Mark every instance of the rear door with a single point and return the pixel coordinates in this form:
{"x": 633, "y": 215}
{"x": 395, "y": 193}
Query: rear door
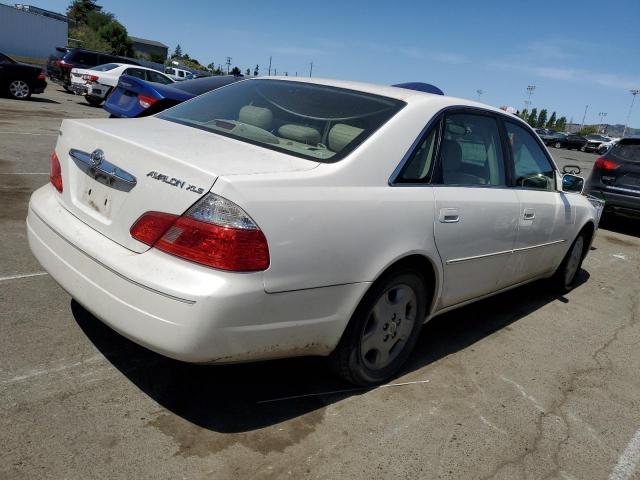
{"x": 546, "y": 216}
{"x": 476, "y": 211}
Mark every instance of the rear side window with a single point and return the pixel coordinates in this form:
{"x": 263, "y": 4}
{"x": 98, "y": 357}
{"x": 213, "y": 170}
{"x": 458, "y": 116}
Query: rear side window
{"x": 471, "y": 151}
{"x": 532, "y": 167}
{"x": 628, "y": 152}
{"x": 419, "y": 164}
{"x": 85, "y": 58}
{"x": 180, "y": 73}
{"x": 158, "y": 77}
{"x": 105, "y": 68}
{"x": 136, "y": 72}
{"x": 307, "y": 120}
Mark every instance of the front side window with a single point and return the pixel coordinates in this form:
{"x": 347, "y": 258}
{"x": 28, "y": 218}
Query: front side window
{"x": 135, "y": 72}
{"x": 471, "y": 151}
{"x": 532, "y": 167}
{"x": 307, "y": 120}
{"x": 180, "y": 73}
{"x": 158, "y": 77}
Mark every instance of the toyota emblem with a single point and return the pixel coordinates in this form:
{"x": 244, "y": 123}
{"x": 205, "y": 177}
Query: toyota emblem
{"x": 96, "y": 157}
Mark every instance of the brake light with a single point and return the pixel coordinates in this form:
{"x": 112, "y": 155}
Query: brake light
{"x": 605, "y": 164}
{"x": 214, "y": 232}
{"x": 63, "y": 64}
{"x": 91, "y": 78}
{"x": 41, "y": 75}
{"x": 55, "y": 173}
{"x": 146, "y": 101}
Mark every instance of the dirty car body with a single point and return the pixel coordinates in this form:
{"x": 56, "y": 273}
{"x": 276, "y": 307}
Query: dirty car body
{"x": 253, "y": 221}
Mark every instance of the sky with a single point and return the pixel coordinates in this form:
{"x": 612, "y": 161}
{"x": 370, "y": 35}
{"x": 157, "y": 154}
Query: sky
{"x": 575, "y": 53}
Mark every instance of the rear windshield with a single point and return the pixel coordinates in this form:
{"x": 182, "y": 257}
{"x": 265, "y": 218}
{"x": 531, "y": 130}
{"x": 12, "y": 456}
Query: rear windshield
{"x": 306, "y": 120}
{"x": 106, "y": 67}
{"x": 627, "y": 151}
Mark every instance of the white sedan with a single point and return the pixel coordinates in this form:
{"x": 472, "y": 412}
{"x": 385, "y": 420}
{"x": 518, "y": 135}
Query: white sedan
{"x": 283, "y": 217}
{"x": 97, "y": 82}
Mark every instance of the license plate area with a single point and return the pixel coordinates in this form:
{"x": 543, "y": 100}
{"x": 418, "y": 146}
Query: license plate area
{"x": 96, "y": 197}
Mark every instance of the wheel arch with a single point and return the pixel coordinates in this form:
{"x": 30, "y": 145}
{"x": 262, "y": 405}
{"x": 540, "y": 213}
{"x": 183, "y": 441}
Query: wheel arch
{"x": 589, "y": 229}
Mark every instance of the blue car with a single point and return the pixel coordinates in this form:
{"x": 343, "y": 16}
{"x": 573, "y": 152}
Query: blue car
{"x": 134, "y": 97}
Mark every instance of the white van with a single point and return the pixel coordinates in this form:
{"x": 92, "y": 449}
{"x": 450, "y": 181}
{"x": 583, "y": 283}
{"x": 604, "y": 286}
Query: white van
{"x": 178, "y": 74}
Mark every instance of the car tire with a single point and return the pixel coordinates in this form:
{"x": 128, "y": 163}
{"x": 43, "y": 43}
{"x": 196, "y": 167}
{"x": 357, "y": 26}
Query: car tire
{"x": 383, "y": 330}
{"x": 19, "y": 89}
{"x": 557, "y": 145}
{"x": 93, "y": 101}
{"x": 564, "y": 278}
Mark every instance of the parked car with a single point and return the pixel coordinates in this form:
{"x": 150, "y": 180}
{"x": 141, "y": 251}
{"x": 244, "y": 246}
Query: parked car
{"x": 19, "y": 80}
{"x": 571, "y": 141}
{"x": 134, "y": 97}
{"x": 606, "y": 145}
{"x": 594, "y": 142}
{"x": 615, "y": 178}
{"x": 278, "y": 217}
{"x": 64, "y": 59}
{"x": 178, "y": 74}
{"x": 551, "y": 137}
{"x": 96, "y": 83}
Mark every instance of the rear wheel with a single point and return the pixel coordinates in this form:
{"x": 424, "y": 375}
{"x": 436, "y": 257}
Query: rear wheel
{"x": 383, "y": 329}
{"x": 19, "y": 89}
{"x": 93, "y": 101}
{"x": 557, "y": 145}
{"x": 565, "y": 277}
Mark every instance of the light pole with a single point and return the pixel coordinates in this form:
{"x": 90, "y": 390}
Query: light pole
{"x": 228, "y": 64}
{"x": 530, "y": 89}
{"x": 633, "y": 92}
{"x": 602, "y": 116}
{"x": 479, "y": 92}
{"x": 584, "y": 117}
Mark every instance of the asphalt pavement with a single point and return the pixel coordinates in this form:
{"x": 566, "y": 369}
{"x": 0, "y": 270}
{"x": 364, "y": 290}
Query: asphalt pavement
{"x": 525, "y": 385}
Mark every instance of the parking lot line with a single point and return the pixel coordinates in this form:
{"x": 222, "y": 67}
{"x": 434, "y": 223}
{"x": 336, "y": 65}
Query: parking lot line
{"x": 628, "y": 461}
{"x": 26, "y": 275}
{"x": 24, "y": 173}
{"x": 29, "y": 133}
{"x": 335, "y": 392}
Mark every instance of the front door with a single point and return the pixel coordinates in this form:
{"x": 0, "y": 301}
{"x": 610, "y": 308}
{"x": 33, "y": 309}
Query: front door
{"x": 477, "y": 213}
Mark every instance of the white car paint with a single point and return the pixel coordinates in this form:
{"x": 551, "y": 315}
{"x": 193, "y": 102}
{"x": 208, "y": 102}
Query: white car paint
{"x": 332, "y": 230}
{"x": 106, "y": 79}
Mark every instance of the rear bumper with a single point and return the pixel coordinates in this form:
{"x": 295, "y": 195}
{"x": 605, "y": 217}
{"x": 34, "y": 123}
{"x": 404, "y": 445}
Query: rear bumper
{"x": 180, "y": 309}
{"x": 618, "y": 201}
{"x": 78, "y": 88}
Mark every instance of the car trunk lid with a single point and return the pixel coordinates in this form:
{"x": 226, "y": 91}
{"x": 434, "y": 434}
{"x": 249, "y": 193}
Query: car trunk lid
{"x": 149, "y": 165}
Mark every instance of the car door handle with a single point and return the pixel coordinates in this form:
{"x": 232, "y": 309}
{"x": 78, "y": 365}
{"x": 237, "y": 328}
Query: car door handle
{"x": 449, "y": 215}
{"x": 529, "y": 214}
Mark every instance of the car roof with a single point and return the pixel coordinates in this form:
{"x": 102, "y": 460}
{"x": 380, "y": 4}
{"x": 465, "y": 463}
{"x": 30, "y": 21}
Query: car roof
{"x": 398, "y": 93}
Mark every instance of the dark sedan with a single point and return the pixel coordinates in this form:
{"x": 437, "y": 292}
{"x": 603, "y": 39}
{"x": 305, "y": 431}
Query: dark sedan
{"x": 20, "y": 80}
{"x": 551, "y": 137}
{"x": 134, "y": 97}
{"x": 571, "y": 141}
{"x": 615, "y": 178}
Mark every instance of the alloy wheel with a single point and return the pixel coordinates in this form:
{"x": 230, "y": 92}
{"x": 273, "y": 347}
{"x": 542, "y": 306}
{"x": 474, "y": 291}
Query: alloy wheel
{"x": 388, "y": 326}
{"x": 19, "y": 89}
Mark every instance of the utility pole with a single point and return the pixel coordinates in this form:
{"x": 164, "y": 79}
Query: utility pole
{"x": 633, "y": 92}
{"x": 584, "y": 117}
{"x": 310, "y": 69}
{"x": 530, "y": 89}
{"x": 228, "y": 64}
{"x": 479, "y": 92}
{"x": 602, "y": 116}
{"x": 269, "y": 65}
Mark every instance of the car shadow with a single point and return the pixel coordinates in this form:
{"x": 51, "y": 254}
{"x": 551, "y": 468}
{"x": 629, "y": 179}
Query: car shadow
{"x": 247, "y": 397}
{"x": 42, "y": 100}
{"x": 620, "y": 224}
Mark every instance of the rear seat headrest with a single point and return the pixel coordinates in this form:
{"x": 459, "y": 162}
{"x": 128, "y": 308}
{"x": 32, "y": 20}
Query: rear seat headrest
{"x": 256, "y": 116}
{"x": 300, "y": 133}
{"x": 341, "y": 135}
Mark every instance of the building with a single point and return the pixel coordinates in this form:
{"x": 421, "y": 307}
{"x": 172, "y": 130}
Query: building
{"x": 28, "y": 33}
{"x": 150, "y": 49}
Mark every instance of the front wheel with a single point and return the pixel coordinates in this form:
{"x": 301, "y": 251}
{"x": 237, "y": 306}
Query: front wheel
{"x": 383, "y": 330}
{"x": 19, "y": 89}
{"x": 557, "y": 145}
{"x": 93, "y": 101}
{"x": 564, "y": 278}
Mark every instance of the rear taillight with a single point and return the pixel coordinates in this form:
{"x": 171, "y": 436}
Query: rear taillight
{"x": 146, "y": 101}
{"x": 41, "y": 75}
{"x": 63, "y": 64}
{"x": 214, "y": 232}
{"x": 55, "y": 173}
{"x": 605, "y": 164}
{"x": 91, "y": 78}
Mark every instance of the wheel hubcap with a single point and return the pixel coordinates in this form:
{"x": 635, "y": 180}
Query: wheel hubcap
{"x": 574, "y": 261}
{"x": 19, "y": 89}
{"x": 388, "y": 326}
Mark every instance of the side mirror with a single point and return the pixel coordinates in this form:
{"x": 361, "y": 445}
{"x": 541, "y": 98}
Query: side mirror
{"x": 572, "y": 169}
{"x": 572, "y": 183}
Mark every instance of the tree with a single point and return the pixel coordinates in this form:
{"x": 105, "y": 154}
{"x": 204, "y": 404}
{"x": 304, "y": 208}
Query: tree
{"x": 236, "y": 71}
{"x": 157, "y": 57}
{"x": 79, "y": 9}
{"x": 256, "y": 71}
{"x": 552, "y": 121}
{"x": 211, "y": 67}
{"x": 524, "y": 114}
{"x": 178, "y": 51}
{"x": 533, "y": 117}
{"x": 588, "y": 130}
{"x": 116, "y": 36}
{"x": 561, "y": 124}
{"x": 542, "y": 118}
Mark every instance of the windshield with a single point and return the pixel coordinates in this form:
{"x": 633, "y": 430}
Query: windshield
{"x": 306, "y": 120}
{"x": 106, "y": 67}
